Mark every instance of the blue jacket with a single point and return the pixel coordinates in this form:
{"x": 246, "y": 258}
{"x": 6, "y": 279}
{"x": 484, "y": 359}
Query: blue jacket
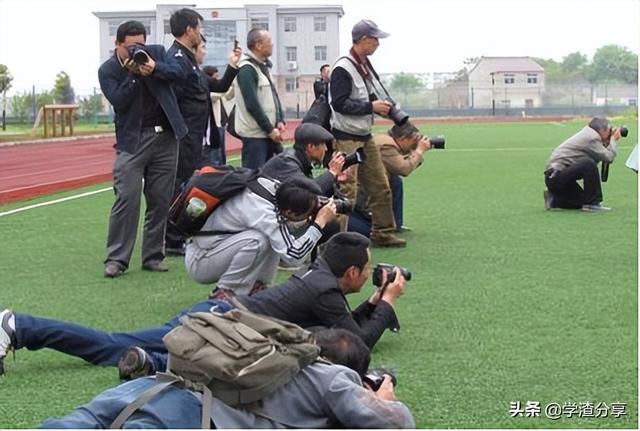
{"x": 122, "y": 89}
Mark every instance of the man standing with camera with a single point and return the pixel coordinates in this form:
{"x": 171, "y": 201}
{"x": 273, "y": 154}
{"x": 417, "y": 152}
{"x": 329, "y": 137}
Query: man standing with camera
{"x": 353, "y": 99}
{"x": 148, "y": 127}
{"x": 577, "y": 158}
{"x": 193, "y": 98}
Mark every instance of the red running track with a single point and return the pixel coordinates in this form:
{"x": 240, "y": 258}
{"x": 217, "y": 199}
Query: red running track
{"x": 30, "y": 170}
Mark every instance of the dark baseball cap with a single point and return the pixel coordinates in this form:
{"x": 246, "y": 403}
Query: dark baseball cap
{"x": 366, "y": 27}
{"x": 309, "y": 133}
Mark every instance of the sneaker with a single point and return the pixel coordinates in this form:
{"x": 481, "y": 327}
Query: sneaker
{"x": 7, "y": 335}
{"x": 134, "y": 363}
{"x": 113, "y": 269}
{"x": 548, "y": 200}
{"x": 221, "y": 294}
{"x": 595, "y": 208}
{"x": 384, "y": 239}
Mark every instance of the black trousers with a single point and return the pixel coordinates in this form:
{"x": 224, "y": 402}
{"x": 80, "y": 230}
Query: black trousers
{"x": 567, "y": 193}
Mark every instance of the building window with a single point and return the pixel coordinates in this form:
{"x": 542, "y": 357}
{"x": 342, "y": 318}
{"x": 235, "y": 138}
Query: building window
{"x": 292, "y": 53}
{"x": 528, "y": 103}
{"x": 509, "y": 78}
{"x": 113, "y": 26}
{"x": 220, "y": 35}
{"x": 505, "y": 103}
{"x": 321, "y": 53}
{"x": 291, "y": 84}
{"x": 260, "y": 21}
{"x": 290, "y": 24}
{"x": 532, "y": 78}
{"x": 320, "y": 23}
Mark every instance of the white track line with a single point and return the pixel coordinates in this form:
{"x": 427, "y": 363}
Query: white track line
{"x": 69, "y": 198}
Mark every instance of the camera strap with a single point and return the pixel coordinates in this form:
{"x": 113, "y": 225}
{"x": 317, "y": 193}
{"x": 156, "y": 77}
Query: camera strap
{"x": 367, "y": 77}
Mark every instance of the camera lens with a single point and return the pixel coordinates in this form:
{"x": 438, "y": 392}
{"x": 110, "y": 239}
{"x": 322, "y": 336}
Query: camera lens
{"x": 624, "y": 131}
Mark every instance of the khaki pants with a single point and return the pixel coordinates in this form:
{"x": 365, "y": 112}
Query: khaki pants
{"x": 373, "y": 178}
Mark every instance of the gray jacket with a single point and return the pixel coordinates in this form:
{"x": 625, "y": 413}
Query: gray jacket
{"x": 585, "y": 143}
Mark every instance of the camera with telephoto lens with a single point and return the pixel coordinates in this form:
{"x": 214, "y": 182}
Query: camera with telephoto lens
{"x": 375, "y": 377}
{"x": 343, "y": 205}
{"x": 138, "y": 53}
{"x": 624, "y": 132}
{"x": 397, "y": 115}
{"x": 381, "y": 268}
{"x": 354, "y": 158}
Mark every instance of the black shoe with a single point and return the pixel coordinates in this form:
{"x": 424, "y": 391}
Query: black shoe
{"x": 134, "y": 363}
{"x": 155, "y": 266}
{"x": 113, "y": 269}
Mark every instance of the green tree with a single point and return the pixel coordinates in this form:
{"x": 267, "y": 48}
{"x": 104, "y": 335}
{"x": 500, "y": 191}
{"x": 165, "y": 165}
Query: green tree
{"x": 5, "y": 84}
{"x": 552, "y": 69}
{"x": 90, "y": 106}
{"x": 406, "y": 83}
{"x": 44, "y": 98}
{"x": 574, "y": 62}
{"x": 614, "y": 63}
{"x": 62, "y": 90}
{"x": 20, "y": 106}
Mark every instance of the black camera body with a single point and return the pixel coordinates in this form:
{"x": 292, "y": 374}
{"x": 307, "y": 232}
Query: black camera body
{"x": 437, "y": 142}
{"x": 624, "y": 132}
{"x": 354, "y": 158}
{"x": 381, "y": 268}
{"x": 375, "y": 377}
{"x": 343, "y": 205}
{"x": 138, "y": 53}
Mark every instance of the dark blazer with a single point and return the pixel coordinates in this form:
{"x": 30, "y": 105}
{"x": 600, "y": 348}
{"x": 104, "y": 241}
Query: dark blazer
{"x": 315, "y": 299}
{"x": 321, "y": 87}
{"x": 192, "y": 91}
{"x": 123, "y": 90}
{"x": 293, "y": 162}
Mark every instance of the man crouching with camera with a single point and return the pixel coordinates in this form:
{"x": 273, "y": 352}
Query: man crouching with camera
{"x": 577, "y": 158}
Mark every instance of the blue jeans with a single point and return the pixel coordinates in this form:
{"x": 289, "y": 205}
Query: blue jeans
{"x": 175, "y": 407}
{"x": 397, "y": 192}
{"x": 218, "y": 156}
{"x": 99, "y": 347}
{"x": 255, "y": 152}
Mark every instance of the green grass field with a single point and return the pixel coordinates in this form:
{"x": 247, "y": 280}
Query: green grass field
{"x": 508, "y": 302}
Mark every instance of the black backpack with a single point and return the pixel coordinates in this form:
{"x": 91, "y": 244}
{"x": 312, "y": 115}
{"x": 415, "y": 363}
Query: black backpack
{"x": 319, "y": 113}
{"x": 206, "y": 190}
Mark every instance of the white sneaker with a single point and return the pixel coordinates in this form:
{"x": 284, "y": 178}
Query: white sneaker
{"x": 595, "y": 208}
{"x": 7, "y": 335}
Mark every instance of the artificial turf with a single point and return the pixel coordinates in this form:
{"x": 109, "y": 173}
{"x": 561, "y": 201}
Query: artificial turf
{"x": 508, "y": 302}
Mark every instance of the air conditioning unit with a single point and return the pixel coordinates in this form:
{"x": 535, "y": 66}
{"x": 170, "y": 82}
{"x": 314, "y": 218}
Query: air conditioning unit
{"x": 292, "y": 65}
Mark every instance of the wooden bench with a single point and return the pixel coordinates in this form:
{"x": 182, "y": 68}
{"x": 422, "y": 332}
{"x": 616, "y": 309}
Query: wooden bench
{"x": 64, "y": 112}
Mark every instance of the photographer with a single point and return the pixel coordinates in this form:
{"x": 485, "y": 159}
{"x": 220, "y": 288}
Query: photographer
{"x": 401, "y": 150}
{"x": 322, "y": 395}
{"x": 192, "y": 92}
{"x": 313, "y": 300}
{"x": 243, "y": 240}
{"x": 354, "y": 100}
{"x": 577, "y": 158}
{"x": 138, "y": 82}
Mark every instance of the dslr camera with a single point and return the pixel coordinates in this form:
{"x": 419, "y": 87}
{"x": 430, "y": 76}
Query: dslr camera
{"x": 380, "y": 269}
{"x": 437, "y": 142}
{"x": 343, "y": 205}
{"x": 375, "y": 377}
{"x": 624, "y": 132}
{"x": 397, "y": 115}
{"x": 138, "y": 53}
{"x": 604, "y": 170}
{"x": 354, "y": 158}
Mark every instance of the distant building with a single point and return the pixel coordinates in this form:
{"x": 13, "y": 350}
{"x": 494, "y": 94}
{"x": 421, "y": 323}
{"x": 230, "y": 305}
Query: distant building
{"x": 304, "y": 37}
{"x": 517, "y": 82}
{"x": 430, "y": 80}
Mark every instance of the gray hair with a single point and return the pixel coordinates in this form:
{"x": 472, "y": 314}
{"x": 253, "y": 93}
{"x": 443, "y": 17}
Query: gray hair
{"x": 599, "y": 123}
{"x": 255, "y": 35}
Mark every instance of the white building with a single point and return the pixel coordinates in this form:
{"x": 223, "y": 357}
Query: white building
{"x": 304, "y": 38}
{"x": 506, "y": 82}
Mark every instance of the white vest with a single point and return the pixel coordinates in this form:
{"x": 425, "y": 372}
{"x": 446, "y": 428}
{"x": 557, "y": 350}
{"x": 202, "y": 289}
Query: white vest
{"x": 352, "y": 124}
{"x": 245, "y": 125}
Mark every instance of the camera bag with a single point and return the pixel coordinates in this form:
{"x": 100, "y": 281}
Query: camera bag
{"x": 238, "y": 357}
{"x": 209, "y": 187}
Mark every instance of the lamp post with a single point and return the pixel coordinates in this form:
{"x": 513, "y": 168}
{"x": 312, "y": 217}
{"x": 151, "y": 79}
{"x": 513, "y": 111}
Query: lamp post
{"x": 493, "y": 94}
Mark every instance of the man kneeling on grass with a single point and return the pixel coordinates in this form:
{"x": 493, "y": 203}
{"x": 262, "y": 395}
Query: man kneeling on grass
{"x": 314, "y": 299}
{"x": 321, "y": 395}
